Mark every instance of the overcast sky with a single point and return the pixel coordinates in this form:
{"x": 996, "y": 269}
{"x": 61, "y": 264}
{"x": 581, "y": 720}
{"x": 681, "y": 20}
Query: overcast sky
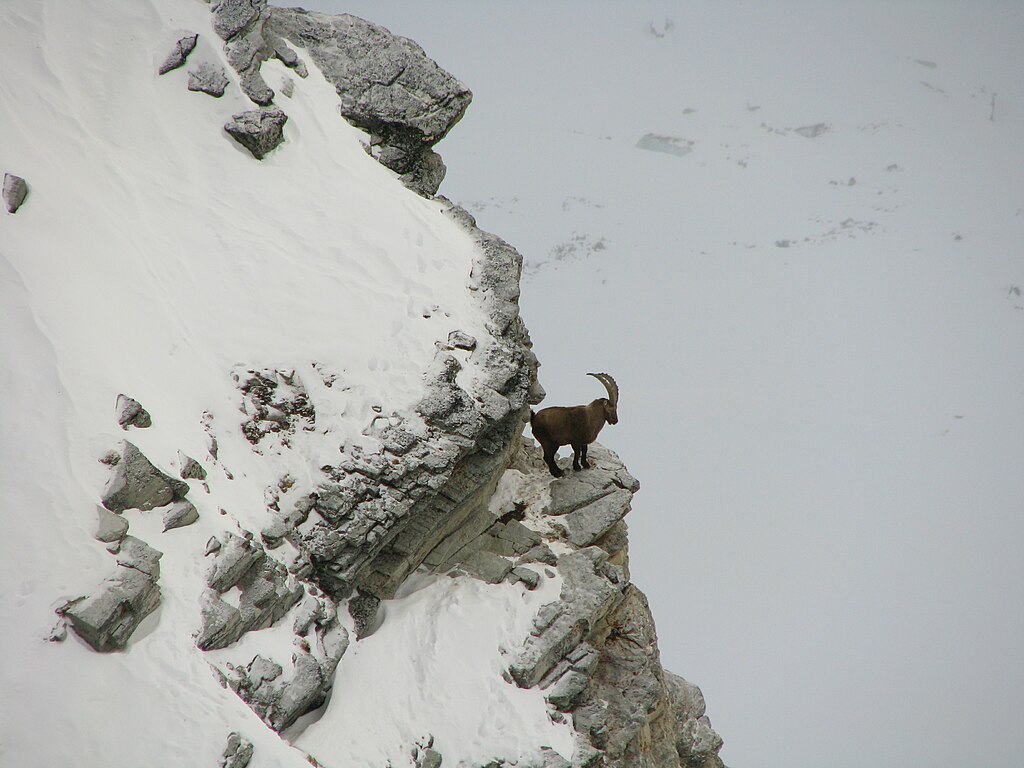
{"x": 793, "y": 233}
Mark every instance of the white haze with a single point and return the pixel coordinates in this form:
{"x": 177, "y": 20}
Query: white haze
{"x": 819, "y": 339}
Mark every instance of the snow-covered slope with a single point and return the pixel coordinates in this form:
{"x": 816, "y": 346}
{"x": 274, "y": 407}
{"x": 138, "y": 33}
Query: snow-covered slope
{"x": 332, "y": 361}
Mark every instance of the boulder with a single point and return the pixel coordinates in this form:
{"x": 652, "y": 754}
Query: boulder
{"x": 259, "y": 130}
{"x": 587, "y": 524}
{"x": 137, "y": 554}
{"x": 179, "y": 54}
{"x": 137, "y": 484}
{"x": 107, "y": 618}
{"x": 15, "y": 191}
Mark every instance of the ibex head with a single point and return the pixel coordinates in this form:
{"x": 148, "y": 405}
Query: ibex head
{"x": 611, "y": 405}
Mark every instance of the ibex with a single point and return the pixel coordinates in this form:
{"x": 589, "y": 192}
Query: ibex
{"x": 577, "y": 426}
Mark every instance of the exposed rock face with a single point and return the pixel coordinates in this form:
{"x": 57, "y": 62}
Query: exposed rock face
{"x": 258, "y": 130}
{"x": 594, "y": 652}
{"x": 15, "y": 191}
{"x": 137, "y": 484}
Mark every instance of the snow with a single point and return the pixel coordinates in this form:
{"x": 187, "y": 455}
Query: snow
{"x": 156, "y": 258}
{"x": 436, "y": 661}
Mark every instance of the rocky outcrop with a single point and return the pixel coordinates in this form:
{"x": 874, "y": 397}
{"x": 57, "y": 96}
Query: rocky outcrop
{"x": 594, "y": 651}
{"x": 15, "y": 191}
{"x": 265, "y": 592}
{"x": 280, "y": 697}
{"x": 137, "y": 484}
{"x": 258, "y": 130}
{"x": 388, "y": 86}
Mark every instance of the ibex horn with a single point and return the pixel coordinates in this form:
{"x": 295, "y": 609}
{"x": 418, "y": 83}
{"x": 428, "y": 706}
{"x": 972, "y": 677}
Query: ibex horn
{"x": 609, "y": 384}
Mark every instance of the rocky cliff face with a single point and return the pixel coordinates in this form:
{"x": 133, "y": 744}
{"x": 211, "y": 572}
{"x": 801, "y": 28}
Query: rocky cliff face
{"x": 448, "y": 486}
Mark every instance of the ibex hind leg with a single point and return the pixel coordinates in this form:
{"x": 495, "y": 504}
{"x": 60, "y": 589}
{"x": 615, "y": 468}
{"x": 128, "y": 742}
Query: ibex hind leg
{"x": 577, "y": 452}
{"x": 549, "y": 459}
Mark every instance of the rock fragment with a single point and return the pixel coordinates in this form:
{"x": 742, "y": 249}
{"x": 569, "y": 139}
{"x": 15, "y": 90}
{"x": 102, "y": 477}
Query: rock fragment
{"x": 190, "y": 468}
{"x": 180, "y": 514}
{"x": 15, "y": 191}
{"x": 130, "y": 413}
{"x": 179, "y": 54}
{"x": 208, "y": 78}
{"x": 109, "y": 527}
{"x": 107, "y": 619}
{"x": 137, "y": 484}
{"x": 258, "y": 130}
{"x": 237, "y": 753}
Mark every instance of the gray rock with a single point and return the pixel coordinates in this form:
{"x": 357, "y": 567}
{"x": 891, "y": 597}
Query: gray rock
{"x": 137, "y": 554}
{"x": 107, "y": 618}
{"x": 109, "y": 527}
{"x": 232, "y": 17}
{"x": 539, "y": 554}
{"x": 130, "y": 413}
{"x": 528, "y": 576}
{"x": 429, "y": 758}
{"x": 234, "y": 559}
{"x": 521, "y": 537}
{"x": 363, "y": 610}
{"x": 590, "y": 590}
{"x": 180, "y": 514}
{"x": 461, "y": 340}
{"x": 179, "y": 54}
{"x": 697, "y": 743}
{"x": 487, "y": 566}
{"x": 237, "y": 753}
{"x": 267, "y": 592}
{"x": 15, "y": 191}
{"x": 259, "y": 130}
{"x": 587, "y": 524}
{"x": 137, "y": 484}
{"x": 208, "y": 78}
{"x": 190, "y": 468}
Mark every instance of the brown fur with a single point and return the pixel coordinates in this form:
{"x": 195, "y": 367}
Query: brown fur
{"x": 577, "y": 425}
